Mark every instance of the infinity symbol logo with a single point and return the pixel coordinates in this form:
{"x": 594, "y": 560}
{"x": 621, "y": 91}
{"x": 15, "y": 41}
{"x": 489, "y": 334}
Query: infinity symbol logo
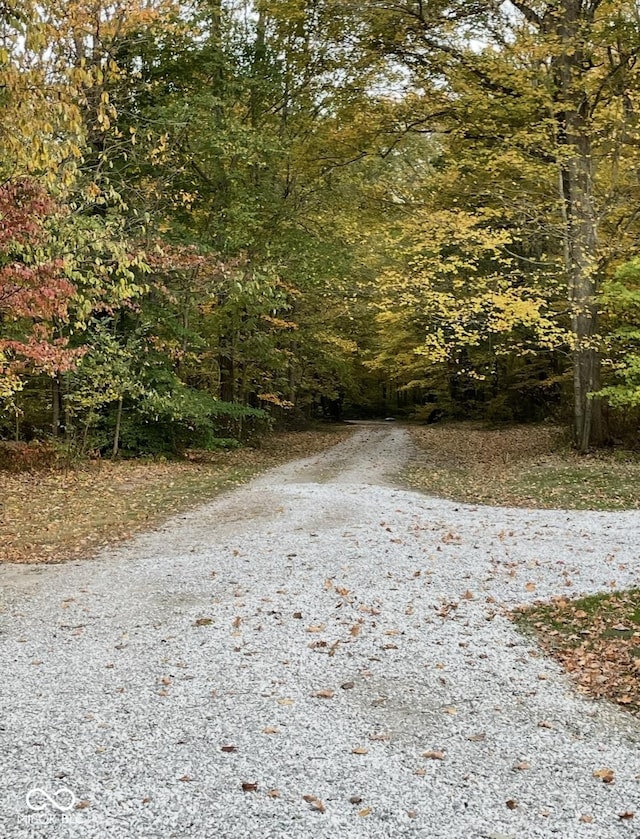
{"x": 39, "y": 799}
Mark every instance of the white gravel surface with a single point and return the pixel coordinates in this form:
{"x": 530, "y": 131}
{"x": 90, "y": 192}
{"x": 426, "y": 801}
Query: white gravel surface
{"x": 124, "y": 677}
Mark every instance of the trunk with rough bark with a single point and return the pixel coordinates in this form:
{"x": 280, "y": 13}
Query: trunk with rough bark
{"x": 575, "y": 156}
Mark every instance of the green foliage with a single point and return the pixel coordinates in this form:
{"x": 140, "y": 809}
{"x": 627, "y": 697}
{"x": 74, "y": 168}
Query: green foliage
{"x": 278, "y": 208}
{"x": 621, "y": 305}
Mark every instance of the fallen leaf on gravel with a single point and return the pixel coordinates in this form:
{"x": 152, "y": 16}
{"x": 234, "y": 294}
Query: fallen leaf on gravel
{"x": 530, "y": 586}
{"x": 328, "y": 584}
{"x": 237, "y": 621}
{"x": 285, "y": 701}
{"x": 327, "y": 693}
{"x": 434, "y": 755}
{"x": 451, "y": 710}
{"x": 360, "y": 750}
{"x": 446, "y": 609}
{"x": 366, "y": 811}
{"x": 628, "y": 814}
{"x": 229, "y": 749}
{"x": 270, "y": 730}
{"x": 355, "y": 629}
{"x": 606, "y": 775}
{"x": 511, "y": 804}
{"x": 379, "y": 737}
{"x": 82, "y": 805}
{"x": 523, "y": 765}
{"x": 544, "y": 724}
{"x": 186, "y": 778}
{"x": 320, "y": 627}
{"x": 274, "y": 793}
{"x": 315, "y": 803}
{"x": 249, "y": 787}
{"x": 477, "y": 738}
{"x": 412, "y": 814}
{"x": 343, "y": 592}
{"x": 586, "y": 818}
{"x": 420, "y": 772}
{"x": 203, "y": 622}
{"x": 468, "y": 595}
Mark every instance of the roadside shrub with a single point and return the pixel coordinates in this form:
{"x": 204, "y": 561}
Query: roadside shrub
{"x": 28, "y": 457}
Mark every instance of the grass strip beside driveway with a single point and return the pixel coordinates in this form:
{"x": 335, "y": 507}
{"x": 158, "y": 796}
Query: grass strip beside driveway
{"x": 57, "y": 515}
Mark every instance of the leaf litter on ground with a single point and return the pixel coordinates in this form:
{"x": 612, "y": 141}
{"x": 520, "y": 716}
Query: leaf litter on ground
{"x": 61, "y": 514}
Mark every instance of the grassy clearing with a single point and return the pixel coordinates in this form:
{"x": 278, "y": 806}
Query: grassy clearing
{"x": 522, "y": 466}
{"x": 597, "y": 638}
{"x": 58, "y": 515}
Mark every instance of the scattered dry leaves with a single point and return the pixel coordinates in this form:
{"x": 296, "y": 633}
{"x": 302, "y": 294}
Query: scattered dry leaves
{"x": 596, "y": 639}
{"x": 59, "y": 514}
{"x": 520, "y": 466}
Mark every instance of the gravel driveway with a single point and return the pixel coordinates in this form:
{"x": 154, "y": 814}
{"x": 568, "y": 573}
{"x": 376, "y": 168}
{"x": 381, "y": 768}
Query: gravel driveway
{"x": 332, "y": 644}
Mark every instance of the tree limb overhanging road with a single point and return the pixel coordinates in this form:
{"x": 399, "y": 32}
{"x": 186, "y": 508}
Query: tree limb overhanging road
{"x": 318, "y": 654}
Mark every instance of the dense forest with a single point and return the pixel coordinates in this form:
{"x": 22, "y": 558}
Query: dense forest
{"x": 219, "y": 215}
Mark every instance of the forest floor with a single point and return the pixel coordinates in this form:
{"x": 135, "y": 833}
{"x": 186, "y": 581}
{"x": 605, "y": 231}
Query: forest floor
{"x": 521, "y": 466}
{"x": 62, "y": 514}
{"x": 595, "y": 638}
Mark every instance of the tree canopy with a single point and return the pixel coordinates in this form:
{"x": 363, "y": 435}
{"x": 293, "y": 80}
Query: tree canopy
{"x": 218, "y": 215}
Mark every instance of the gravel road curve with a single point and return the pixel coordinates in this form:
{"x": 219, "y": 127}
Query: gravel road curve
{"x": 333, "y": 643}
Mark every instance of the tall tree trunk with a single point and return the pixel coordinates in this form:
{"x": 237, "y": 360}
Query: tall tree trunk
{"x": 579, "y": 217}
{"x": 56, "y": 402}
{"x": 116, "y": 433}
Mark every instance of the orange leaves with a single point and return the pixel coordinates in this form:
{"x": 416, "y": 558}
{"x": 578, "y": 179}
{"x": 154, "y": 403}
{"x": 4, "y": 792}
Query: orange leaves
{"x": 596, "y": 639}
